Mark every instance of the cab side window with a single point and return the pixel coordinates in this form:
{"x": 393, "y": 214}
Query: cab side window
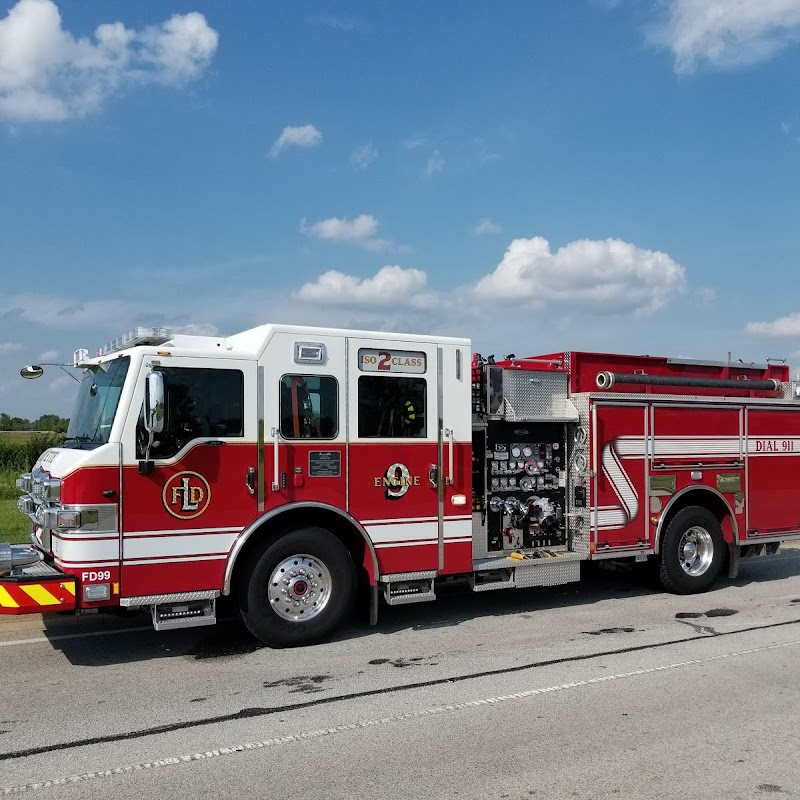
{"x": 309, "y": 407}
{"x": 200, "y": 403}
{"x": 391, "y": 407}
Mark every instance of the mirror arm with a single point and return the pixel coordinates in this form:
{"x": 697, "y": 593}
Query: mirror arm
{"x": 147, "y": 466}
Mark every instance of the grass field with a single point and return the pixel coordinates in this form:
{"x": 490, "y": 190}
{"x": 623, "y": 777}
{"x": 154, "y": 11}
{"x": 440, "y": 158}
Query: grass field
{"x": 18, "y": 437}
{"x": 13, "y": 525}
{"x": 19, "y": 450}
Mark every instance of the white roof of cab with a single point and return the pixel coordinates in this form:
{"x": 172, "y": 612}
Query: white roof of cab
{"x": 251, "y": 343}
{"x": 255, "y": 340}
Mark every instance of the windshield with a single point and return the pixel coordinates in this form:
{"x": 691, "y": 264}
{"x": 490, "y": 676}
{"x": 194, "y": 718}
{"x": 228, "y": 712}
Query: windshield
{"x": 96, "y": 404}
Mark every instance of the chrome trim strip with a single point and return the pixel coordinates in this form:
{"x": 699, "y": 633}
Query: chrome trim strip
{"x": 119, "y": 502}
{"x": 425, "y": 574}
{"x": 626, "y": 553}
{"x": 746, "y": 412}
{"x": 276, "y": 484}
{"x": 440, "y": 450}
{"x": 646, "y": 485}
{"x": 786, "y": 536}
{"x": 260, "y": 481}
{"x": 346, "y": 423}
{"x": 593, "y": 469}
{"x": 270, "y": 515}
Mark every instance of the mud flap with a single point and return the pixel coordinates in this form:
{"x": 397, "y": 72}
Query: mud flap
{"x": 734, "y": 556}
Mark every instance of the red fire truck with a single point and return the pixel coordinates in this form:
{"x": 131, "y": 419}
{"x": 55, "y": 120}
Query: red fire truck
{"x": 298, "y": 468}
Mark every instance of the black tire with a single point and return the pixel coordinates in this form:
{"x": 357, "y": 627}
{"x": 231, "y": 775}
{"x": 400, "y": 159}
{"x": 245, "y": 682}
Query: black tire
{"x": 273, "y": 607}
{"x": 692, "y": 551}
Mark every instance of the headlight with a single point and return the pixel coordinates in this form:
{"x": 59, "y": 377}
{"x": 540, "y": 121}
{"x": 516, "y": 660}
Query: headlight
{"x": 45, "y": 489}
{"x": 25, "y": 482}
{"x": 52, "y": 490}
{"x": 25, "y": 505}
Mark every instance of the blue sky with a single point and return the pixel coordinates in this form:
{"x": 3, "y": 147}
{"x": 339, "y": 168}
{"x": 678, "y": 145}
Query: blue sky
{"x": 593, "y": 174}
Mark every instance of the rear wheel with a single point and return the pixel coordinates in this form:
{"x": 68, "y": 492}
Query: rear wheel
{"x": 299, "y": 589}
{"x": 692, "y": 552}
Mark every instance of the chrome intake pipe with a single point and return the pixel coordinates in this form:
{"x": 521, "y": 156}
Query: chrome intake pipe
{"x": 17, "y": 555}
{"x": 607, "y": 380}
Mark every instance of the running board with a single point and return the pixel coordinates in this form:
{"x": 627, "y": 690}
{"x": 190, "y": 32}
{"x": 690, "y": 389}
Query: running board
{"x": 190, "y": 614}
{"x": 179, "y": 610}
{"x": 408, "y": 587}
{"x": 509, "y": 573}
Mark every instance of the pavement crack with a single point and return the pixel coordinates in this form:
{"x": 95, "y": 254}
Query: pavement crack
{"x": 705, "y": 629}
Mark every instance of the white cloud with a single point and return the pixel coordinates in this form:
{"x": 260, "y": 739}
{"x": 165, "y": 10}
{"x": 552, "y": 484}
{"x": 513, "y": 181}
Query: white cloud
{"x": 486, "y": 226}
{"x": 359, "y": 231}
{"x": 305, "y": 136}
{"x": 600, "y": 277}
{"x": 390, "y": 287}
{"x": 435, "y": 163}
{"x": 48, "y": 75}
{"x": 414, "y": 143}
{"x": 782, "y": 326}
{"x": 364, "y": 156}
{"x": 586, "y": 277}
{"x": 48, "y": 355}
{"x": 725, "y": 33}
{"x": 10, "y": 347}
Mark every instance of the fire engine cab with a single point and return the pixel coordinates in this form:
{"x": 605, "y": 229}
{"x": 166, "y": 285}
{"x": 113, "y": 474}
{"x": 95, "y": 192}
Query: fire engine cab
{"x": 299, "y": 468}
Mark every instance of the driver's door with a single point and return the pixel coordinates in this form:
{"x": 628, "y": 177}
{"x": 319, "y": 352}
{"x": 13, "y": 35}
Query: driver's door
{"x": 179, "y": 521}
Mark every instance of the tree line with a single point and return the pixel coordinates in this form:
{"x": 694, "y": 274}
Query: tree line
{"x": 47, "y": 422}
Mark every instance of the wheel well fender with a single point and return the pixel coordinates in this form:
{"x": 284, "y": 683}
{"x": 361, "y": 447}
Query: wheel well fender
{"x": 294, "y": 516}
{"x": 705, "y": 497}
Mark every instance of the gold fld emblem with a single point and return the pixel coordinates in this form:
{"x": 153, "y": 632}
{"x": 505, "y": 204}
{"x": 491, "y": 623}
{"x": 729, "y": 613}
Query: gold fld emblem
{"x": 186, "y": 495}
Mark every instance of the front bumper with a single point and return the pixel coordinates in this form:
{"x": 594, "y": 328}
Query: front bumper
{"x": 36, "y": 589}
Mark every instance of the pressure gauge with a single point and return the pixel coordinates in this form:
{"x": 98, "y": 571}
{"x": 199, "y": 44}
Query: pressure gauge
{"x": 515, "y": 452}
{"x": 527, "y": 452}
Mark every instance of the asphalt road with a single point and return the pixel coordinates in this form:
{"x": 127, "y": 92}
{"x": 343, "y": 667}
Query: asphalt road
{"x": 607, "y": 688}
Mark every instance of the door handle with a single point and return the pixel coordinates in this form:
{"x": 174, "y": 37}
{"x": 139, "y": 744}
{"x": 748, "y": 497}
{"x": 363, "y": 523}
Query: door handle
{"x": 275, "y": 464}
{"x": 433, "y": 475}
{"x": 448, "y": 432}
{"x": 250, "y": 480}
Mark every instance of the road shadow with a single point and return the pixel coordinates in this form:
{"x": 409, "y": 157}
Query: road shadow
{"x": 101, "y": 640}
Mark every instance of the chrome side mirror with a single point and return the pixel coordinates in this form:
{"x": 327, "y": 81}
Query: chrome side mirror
{"x": 153, "y": 416}
{"x": 31, "y": 371}
{"x": 154, "y": 403}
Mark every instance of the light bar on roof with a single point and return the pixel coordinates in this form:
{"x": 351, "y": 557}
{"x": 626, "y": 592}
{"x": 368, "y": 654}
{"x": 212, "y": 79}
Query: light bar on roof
{"x": 135, "y": 338}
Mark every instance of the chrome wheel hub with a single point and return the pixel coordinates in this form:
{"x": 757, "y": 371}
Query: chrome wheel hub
{"x": 696, "y": 551}
{"x": 299, "y": 588}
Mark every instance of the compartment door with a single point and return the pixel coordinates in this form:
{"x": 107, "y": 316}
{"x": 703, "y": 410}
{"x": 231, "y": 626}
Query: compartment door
{"x": 619, "y": 465}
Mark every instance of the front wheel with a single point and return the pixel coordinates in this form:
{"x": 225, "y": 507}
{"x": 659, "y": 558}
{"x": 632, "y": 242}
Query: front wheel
{"x": 692, "y": 552}
{"x": 299, "y": 589}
